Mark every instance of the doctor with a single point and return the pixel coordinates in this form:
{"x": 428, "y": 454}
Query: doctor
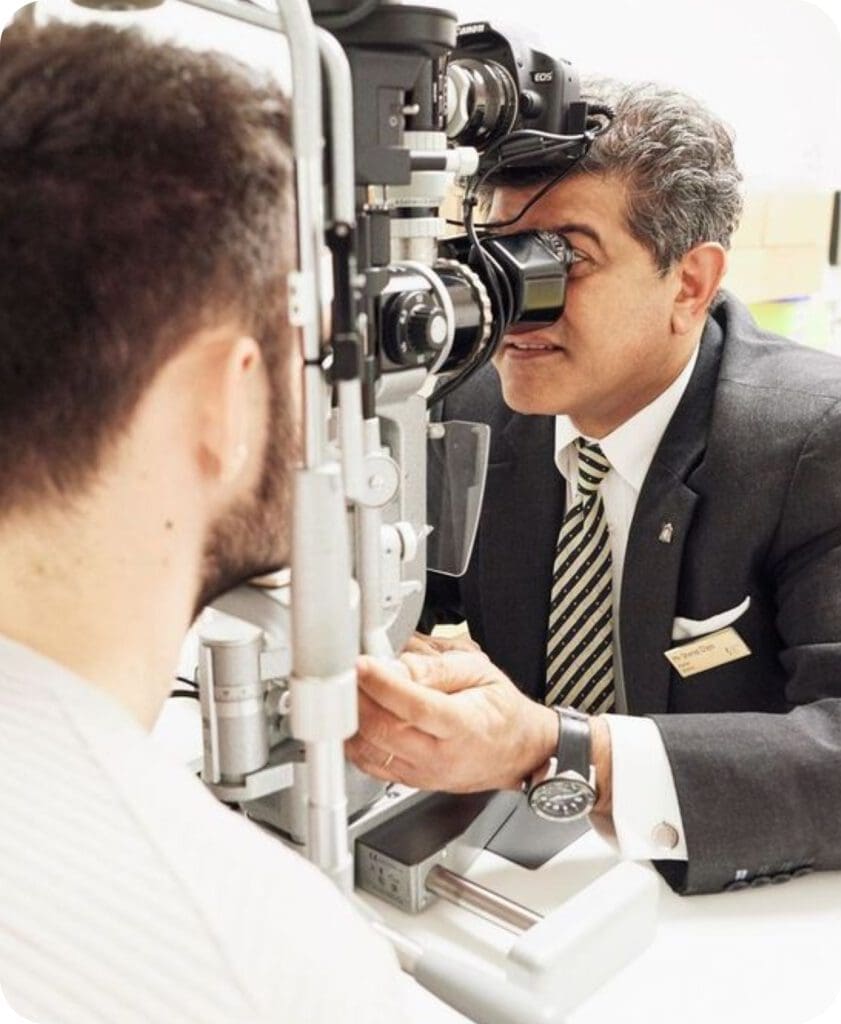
{"x": 656, "y": 582}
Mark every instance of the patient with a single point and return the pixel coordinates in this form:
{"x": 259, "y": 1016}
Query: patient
{"x": 146, "y": 439}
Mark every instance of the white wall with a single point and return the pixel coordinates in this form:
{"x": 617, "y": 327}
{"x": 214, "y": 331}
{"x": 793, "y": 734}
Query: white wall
{"x": 771, "y": 68}
{"x": 181, "y": 23}
{"x": 7, "y": 9}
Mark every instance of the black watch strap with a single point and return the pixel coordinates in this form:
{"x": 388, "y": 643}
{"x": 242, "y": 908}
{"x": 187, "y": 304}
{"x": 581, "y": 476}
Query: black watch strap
{"x": 574, "y": 747}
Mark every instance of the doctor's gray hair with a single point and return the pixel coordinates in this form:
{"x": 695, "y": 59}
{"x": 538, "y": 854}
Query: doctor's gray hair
{"x": 678, "y": 164}
{"x": 676, "y": 160}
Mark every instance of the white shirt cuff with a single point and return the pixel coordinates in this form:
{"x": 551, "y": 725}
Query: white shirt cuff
{"x": 646, "y": 813}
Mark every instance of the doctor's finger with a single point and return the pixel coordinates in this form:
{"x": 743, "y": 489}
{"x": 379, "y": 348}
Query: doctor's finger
{"x": 458, "y": 642}
{"x": 453, "y": 671}
{"x": 423, "y": 706}
{"x": 380, "y": 764}
{"x": 420, "y": 643}
{"x": 385, "y": 730}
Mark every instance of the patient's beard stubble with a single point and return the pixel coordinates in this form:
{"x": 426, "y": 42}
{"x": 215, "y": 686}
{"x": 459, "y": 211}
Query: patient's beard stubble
{"x": 252, "y": 538}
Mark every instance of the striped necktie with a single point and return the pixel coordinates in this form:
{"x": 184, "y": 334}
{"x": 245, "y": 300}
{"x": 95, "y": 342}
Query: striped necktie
{"x": 579, "y": 651}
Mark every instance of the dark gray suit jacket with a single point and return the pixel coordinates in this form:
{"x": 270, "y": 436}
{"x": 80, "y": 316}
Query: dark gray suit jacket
{"x": 749, "y": 475}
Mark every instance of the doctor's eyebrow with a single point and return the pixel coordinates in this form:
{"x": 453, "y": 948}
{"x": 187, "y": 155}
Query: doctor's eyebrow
{"x": 581, "y": 229}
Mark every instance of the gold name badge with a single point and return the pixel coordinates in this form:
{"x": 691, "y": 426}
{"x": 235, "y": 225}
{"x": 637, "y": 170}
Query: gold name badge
{"x": 707, "y": 652}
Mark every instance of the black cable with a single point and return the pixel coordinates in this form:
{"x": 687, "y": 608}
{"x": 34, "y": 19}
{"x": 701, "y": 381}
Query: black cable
{"x": 339, "y": 22}
{"x": 601, "y": 110}
{"x": 493, "y": 274}
{"x": 499, "y": 316}
{"x": 548, "y": 139}
{"x": 527, "y": 206}
{"x": 531, "y": 202}
{"x": 545, "y": 145}
{"x": 193, "y": 692}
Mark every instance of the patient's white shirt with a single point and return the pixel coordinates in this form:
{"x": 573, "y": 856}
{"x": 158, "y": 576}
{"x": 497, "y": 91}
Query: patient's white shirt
{"x": 128, "y": 894}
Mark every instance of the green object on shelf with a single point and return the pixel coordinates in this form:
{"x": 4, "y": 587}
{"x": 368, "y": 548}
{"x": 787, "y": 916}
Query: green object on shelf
{"x": 808, "y": 321}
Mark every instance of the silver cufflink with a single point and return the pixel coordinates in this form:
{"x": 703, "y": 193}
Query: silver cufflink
{"x": 665, "y": 835}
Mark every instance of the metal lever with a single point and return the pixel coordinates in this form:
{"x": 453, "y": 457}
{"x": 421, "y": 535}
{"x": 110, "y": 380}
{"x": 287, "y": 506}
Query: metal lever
{"x": 483, "y": 902}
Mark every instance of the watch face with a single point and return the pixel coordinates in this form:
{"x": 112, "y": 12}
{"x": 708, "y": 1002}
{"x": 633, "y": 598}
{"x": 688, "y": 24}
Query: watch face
{"x": 562, "y": 799}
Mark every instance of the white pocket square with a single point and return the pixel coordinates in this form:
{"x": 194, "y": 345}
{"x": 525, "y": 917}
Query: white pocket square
{"x": 688, "y": 629}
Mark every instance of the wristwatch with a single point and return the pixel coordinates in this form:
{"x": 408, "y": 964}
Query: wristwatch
{"x": 568, "y": 792}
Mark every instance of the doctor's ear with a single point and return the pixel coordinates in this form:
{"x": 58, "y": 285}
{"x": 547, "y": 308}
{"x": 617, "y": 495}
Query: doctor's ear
{"x": 699, "y": 276}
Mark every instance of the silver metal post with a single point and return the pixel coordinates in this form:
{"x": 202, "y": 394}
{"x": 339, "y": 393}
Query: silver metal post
{"x": 481, "y": 901}
{"x": 327, "y": 843}
{"x": 323, "y": 683}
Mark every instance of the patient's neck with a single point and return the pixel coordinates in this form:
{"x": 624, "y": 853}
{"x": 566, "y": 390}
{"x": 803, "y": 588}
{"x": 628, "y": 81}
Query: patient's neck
{"x": 114, "y": 613}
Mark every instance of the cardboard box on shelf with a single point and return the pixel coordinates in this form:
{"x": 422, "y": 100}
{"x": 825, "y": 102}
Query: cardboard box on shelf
{"x": 784, "y": 217}
{"x": 781, "y": 248}
{"x": 778, "y": 272}
{"x": 808, "y": 321}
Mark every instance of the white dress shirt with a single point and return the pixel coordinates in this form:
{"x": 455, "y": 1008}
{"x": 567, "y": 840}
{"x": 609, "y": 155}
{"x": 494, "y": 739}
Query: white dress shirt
{"x": 128, "y": 893}
{"x": 646, "y": 812}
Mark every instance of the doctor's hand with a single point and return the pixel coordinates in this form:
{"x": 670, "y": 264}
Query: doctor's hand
{"x": 425, "y": 643}
{"x": 448, "y": 721}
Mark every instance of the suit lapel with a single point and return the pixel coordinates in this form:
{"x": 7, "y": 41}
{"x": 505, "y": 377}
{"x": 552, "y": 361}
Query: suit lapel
{"x": 524, "y": 506}
{"x": 658, "y": 533}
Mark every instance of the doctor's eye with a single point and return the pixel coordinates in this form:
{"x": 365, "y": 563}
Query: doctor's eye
{"x": 577, "y": 261}
{"x": 581, "y": 263}
{"x": 560, "y": 245}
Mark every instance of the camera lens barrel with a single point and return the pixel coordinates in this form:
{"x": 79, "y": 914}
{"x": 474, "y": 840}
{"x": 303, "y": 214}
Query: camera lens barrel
{"x": 482, "y": 102}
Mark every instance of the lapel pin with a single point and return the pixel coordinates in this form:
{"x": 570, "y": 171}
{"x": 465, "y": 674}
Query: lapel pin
{"x": 666, "y": 533}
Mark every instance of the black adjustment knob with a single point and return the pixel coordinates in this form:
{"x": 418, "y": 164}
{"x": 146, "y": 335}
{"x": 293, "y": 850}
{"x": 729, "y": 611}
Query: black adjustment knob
{"x": 531, "y": 104}
{"x": 426, "y": 328}
{"x": 415, "y": 329}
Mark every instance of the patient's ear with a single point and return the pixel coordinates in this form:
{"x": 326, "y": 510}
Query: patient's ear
{"x": 699, "y": 276}
{"x": 231, "y": 410}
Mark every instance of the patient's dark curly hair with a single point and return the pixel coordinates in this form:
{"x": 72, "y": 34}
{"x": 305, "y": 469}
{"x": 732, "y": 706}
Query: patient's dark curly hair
{"x": 144, "y": 194}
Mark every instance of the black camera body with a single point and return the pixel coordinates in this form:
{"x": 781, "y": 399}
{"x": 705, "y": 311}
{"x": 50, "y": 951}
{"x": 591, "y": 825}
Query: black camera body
{"x": 498, "y": 85}
{"x": 436, "y": 102}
